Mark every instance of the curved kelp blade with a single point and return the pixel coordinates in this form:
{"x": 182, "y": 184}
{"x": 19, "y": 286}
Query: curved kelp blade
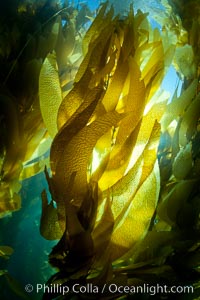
{"x": 49, "y": 225}
{"x": 77, "y": 153}
{"x": 50, "y": 93}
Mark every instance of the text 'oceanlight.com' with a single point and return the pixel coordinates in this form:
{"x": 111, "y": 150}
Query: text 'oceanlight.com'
{"x": 109, "y": 288}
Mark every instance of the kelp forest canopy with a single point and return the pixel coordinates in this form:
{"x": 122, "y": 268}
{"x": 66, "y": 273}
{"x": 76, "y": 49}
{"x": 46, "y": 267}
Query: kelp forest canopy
{"x": 124, "y": 162}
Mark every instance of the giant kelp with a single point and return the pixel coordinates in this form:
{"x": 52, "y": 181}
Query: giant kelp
{"x": 179, "y": 205}
{"x": 102, "y": 217}
{"x": 132, "y": 217}
{"x": 174, "y": 237}
{"x": 29, "y": 31}
{"x": 22, "y": 128}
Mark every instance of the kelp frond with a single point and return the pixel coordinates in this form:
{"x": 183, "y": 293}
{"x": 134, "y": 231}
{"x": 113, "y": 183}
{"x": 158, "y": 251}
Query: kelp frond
{"x": 114, "y": 111}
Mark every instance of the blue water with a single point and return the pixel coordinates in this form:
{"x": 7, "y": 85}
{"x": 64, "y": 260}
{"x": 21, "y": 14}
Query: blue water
{"x": 29, "y": 262}
{"x": 93, "y": 4}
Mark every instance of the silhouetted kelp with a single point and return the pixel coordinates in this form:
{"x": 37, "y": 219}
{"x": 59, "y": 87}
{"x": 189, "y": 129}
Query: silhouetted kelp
{"x": 29, "y": 32}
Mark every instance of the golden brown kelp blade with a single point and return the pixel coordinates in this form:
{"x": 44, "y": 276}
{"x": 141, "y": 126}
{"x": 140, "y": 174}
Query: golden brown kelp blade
{"x": 112, "y": 110}
{"x": 50, "y": 93}
{"x": 49, "y": 225}
{"x": 72, "y": 127}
